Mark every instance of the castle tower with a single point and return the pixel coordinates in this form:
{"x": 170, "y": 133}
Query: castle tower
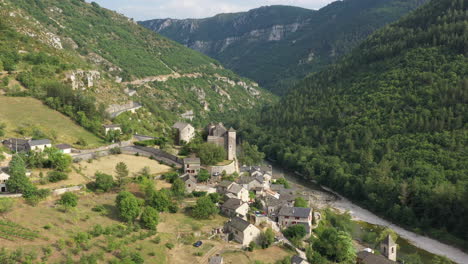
{"x": 231, "y": 144}
{"x": 388, "y": 248}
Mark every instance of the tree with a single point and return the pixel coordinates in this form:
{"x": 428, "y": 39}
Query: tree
{"x": 203, "y": 175}
{"x": 204, "y": 208}
{"x": 58, "y": 160}
{"x": 178, "y": 188}
{"x": 250, "y": 155}
{"x": 215, "y": 197}
{"x": 104, "y": 182}
{"x": 284, "y": 182}
{"x": 211, "y": 154}
{"x": 300, "y": 202}
{"x": 56, "y": 176}
{"x": 295, "y": 231}
{"x": 337, "y": 246}
{"x": 68, "y": 200}
{"x": 149, "y": 218}
{"x": 122, "y": 172}
{"x": 128, "y": 206}
{"x": 158, "y": 200}
{"x": 18, "y": 182}
{"x": 267, "y": 238}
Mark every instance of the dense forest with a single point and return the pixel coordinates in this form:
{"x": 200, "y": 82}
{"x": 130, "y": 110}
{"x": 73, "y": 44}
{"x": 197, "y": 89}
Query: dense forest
{"x": 280, "y": 45}
{"x": 386, "y": 126}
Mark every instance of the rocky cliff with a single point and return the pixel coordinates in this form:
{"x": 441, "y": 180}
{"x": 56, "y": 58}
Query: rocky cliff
{"x": 278, "y": 45}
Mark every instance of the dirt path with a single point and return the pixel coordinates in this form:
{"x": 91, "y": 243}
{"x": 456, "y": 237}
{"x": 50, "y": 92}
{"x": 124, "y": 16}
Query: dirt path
{"x": 323, "y": 199}
{"x": 164, "y": 78}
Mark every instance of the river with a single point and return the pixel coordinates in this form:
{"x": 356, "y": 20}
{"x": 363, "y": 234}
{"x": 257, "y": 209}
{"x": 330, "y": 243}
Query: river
{"x": 323, "y": 197}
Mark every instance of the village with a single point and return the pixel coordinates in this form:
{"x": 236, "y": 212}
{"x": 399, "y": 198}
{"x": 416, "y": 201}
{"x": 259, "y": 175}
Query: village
{"x": 254, "y": 202}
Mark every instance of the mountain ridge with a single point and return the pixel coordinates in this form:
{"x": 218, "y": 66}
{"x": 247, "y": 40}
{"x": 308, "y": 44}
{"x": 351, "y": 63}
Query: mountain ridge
{"x": 279, "y": 45}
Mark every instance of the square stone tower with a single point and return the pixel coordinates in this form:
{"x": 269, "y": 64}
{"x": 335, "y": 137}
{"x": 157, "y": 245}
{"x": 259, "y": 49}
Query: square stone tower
{"x": 231, "y": 144}
{"x": 388, "y": 248}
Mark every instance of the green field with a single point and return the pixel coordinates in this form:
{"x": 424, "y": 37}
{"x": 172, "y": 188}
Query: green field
{"x": 28, "y": 113}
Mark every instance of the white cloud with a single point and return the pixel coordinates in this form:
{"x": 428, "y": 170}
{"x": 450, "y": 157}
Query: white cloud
{"x": 149, "y": 9}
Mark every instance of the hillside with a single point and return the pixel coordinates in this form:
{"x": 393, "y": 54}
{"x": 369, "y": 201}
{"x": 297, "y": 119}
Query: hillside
{"x": 91, "y": 63}
{"x": 279, "y": 45}
{"x": 29, "y": 116}
{"x": 387, "y": 125}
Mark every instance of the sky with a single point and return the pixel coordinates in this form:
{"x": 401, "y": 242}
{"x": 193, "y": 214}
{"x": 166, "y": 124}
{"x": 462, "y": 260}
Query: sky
{"x": 150, "y": 9}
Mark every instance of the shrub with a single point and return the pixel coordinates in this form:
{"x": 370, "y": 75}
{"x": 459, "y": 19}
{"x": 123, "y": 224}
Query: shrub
{"x": 149, "y": 217}
{"x": 6, "y": 204}
{"x": 156, "y": 240}
{"x": 115, "y": 151}
{"x": 295, "y": 231}
{"x": 56, "y": 176}
{"x": 104, "y": 182}
{"x": 169, "y": 245}
{"x": 68, "y": 200}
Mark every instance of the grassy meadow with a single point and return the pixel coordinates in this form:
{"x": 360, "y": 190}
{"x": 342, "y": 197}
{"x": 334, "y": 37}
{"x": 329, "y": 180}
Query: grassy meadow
{"x": 25, "y": 113}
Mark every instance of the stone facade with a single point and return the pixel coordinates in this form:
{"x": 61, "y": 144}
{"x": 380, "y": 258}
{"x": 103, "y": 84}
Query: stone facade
{"x": 227, "y": 139}
{"x": 185, "y": 132}
{"x": 289, "y": 216}
{"x": 242, "y": 231}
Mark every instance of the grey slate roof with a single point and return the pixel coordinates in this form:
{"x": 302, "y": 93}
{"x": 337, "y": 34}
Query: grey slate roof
{"x": 370, "y": 258}
{"x": 180, "y": 125}
{"x": 225, "y": 183}
{"x": 63, "y": 146}
{"x": 232, "y": 203}
{"x": 39, "y": 142}
{"x": 192, "y": 161}
{"x": 112, "y": 126}
{"x": 235, "y": 188}
{"x": 238, "y": 224}
{"x": 216, "y": 260}
{"x": 295, "y": 211}
{"x": 297, "y": 260}
{"x": 187, "y": 177}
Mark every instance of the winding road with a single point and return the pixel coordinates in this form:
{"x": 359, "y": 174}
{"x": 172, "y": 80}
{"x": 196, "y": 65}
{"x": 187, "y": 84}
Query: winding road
{"x": 325, "y": 197}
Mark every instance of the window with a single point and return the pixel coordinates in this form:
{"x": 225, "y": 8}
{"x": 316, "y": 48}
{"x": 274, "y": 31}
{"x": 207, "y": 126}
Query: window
{"x": 393, "y": 249}
{"x": 287, "y": 217}
{"x": 297, "y": 218}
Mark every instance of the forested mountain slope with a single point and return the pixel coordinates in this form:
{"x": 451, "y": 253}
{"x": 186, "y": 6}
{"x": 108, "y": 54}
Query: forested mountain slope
{"x": 89, "y": 63}
{"x": 278, "y": 45}
{"x": 387, "y": 125}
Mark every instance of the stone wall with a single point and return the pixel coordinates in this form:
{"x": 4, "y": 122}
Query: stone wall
{"x": 229, "y": 169}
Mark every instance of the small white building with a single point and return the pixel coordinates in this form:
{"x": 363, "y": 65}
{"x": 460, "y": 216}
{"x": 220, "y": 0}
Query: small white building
{"x": 64, "y": 148}
{"x": 216, "y": 260}
{"x": 185, "y": 132}
{"x": 39, "y": 145}
{"x": 242, "y": 231}
{"x": 113, "y": 127}
{"x": 3, "y": 179}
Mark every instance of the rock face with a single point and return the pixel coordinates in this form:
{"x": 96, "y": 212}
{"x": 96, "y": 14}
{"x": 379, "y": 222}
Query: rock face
{"x": 278, "y": 45}
{"x": 82, "y": 80}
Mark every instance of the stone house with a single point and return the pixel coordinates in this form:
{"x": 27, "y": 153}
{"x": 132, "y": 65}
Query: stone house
{"x": 298, "y": 260}
{"x": 235, "y": 207}
{"x": 227, "y": 139}
{"x": 224, "y": 186}
{"x": 17, "y": 144}
{"x": 64, "y": 148}
{"x": 39, "y": 145}
{"x": 250, "y": 183}
{"x": 185, "y": 132}
{"x": 192, "y": 166}
{"x": 190, "y": 182}
{"x": 242, "y": 231}
{"x": 388, "y": 247}
{"x": 113, "y": 127}
{"x": 368, "y": 257}
{"x": 3, "y": 179}
{"x": 289, "y": 216}
{"x": 272, "y": 205}
{"x": 239, "y": 192}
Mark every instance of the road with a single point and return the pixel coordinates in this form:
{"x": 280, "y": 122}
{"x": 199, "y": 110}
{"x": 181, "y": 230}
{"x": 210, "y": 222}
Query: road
{"x": 324, "y": 197}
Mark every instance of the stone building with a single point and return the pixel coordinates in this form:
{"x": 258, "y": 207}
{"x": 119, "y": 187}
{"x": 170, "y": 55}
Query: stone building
{"x": 242, "y": 231}
{"x": 289, "y": 216}
{"x": 219, "y": 135}
{"x": 192, "y": 166}
{"x": 185, "y": 132}
{"x": 388, "y": 247}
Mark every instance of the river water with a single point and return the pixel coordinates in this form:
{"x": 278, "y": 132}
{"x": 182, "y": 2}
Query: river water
{"x": 323, "y": 197}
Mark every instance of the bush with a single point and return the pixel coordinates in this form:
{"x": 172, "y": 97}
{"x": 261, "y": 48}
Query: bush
{"x": 169, "y": 245}
{"x": 104, "y": 182}
{"x": 150, "y": 218}
{"x": 198, "y": 194}
{"x": 115, "y": 151}
{"x": 295, "y": 231}
{"x": 56, "y": 176}
{"x": 68, "y": 200}
{"x": 6, "y": 204}
{"x": 252, "y": 246}
{"x": 156, "y": 240}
